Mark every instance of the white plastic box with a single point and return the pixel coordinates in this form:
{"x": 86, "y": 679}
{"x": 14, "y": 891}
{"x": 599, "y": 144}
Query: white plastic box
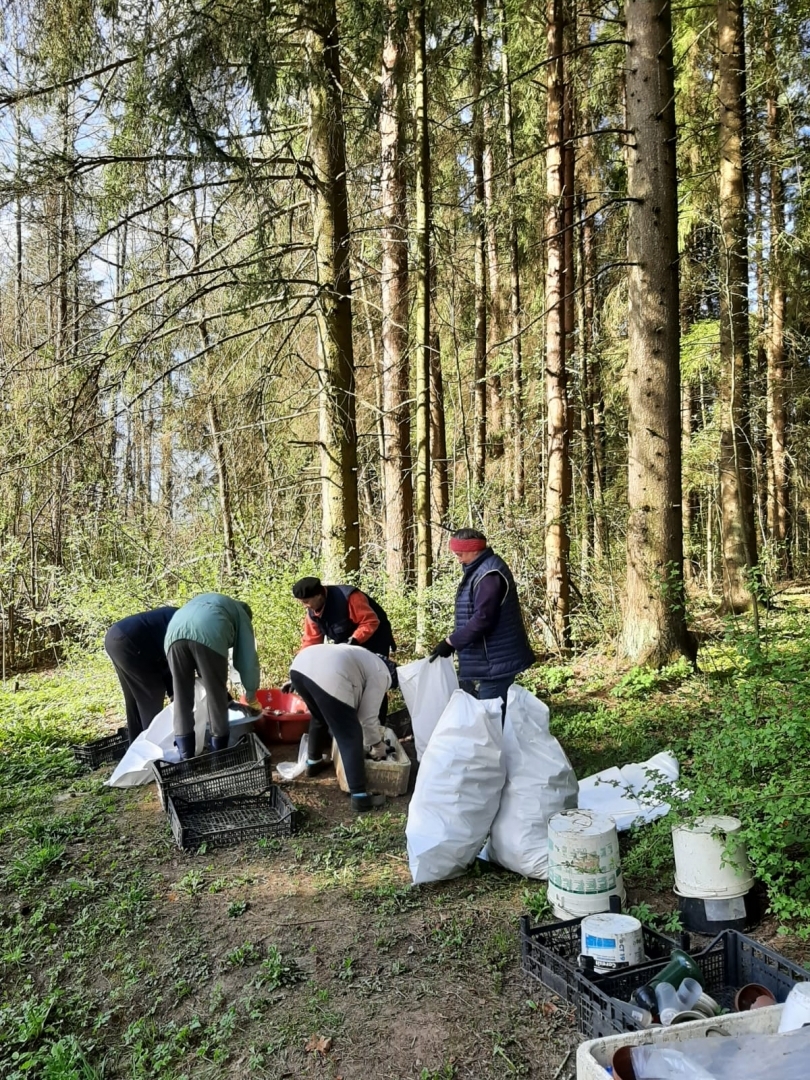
{"x": 594, "y": 1056}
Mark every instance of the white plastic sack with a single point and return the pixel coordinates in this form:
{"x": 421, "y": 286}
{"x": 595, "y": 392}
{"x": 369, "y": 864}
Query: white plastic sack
{"x": 291, "y": 770}
{"x": 157, "y": 744}
{"x": 539, "y": 782}
{"x": 458, "y": 788}
{"x": 427, "y": 688}
{"x": 627, "y": 794}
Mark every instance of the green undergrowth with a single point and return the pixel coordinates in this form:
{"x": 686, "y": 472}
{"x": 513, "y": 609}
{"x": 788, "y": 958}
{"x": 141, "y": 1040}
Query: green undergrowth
{"x": 119, "y": 957}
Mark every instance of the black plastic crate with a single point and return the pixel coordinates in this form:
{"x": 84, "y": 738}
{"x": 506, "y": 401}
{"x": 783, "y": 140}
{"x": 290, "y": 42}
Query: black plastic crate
{"x": 549, "y": 953}
{"x": 730, "y": 961}
{"x": 243, "y": 769}
{"x": 222, "y": 822}
{"x": 100, "y": 751}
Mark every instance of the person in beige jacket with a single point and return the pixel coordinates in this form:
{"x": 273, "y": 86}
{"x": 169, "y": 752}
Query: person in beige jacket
{"x": 343, "y": 688}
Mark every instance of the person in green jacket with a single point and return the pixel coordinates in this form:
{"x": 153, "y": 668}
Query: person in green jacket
{"x": 197, "y": 642}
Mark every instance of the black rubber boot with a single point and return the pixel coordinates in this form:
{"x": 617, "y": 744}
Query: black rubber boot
{"x": 186, "y": 744}
{"x": 315, "y": 768}
{"x": 361, "y": 804}
{"x": 220, "y": 742}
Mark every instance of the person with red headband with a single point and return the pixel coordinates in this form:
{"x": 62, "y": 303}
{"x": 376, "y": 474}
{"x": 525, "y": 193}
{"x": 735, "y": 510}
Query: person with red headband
{"x": 489, "y": 635}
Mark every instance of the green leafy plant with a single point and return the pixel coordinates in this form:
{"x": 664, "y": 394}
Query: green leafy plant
{"x": 275, "y": 972}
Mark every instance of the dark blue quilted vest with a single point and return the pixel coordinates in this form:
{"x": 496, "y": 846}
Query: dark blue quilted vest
{"x": 334, "y": 623}
{"x": 505, "y": 650}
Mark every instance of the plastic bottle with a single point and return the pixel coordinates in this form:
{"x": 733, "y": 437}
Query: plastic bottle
{"x": 681, "y": 966}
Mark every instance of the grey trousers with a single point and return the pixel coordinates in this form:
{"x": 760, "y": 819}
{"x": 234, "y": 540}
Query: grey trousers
{"x": 190, "y": 658}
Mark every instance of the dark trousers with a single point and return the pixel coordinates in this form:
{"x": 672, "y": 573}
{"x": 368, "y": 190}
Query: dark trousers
{"x": 335, "y": 718}
{"x": 142, "y": 680}
{"x": 484, "y": 689}
{"x": 190, "y": 658}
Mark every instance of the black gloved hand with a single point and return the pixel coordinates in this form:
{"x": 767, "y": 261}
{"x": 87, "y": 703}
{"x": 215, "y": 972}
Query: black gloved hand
{"x": 443, "y": 649}
{"x": 287, "y": 688}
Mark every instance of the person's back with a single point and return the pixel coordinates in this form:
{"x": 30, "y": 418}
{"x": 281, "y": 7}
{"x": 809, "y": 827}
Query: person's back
{"x": 197, "y": 641}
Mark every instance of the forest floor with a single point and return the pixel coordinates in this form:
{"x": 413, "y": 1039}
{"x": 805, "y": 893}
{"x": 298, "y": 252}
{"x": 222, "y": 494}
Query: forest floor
{"x": 121, "y": 956}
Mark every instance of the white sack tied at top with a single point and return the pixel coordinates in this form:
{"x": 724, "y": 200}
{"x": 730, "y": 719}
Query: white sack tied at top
{"x": 458, "y": 789}
{"x": 427, "y": 688}
{"x": 539, "y": 782}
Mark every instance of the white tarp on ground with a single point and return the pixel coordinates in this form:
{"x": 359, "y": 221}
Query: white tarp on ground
{"x": 458, "y": 789}
{"x": 157, "y": 743}
{"x": 539, "y": 782}
{"x": 631, "y": 794}
{"x": 427, "y": 688}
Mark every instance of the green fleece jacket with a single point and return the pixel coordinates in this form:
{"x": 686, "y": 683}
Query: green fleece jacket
{"x": 222, "y": 624}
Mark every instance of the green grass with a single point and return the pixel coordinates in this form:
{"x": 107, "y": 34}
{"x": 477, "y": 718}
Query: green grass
{"x": 120, "y": 957}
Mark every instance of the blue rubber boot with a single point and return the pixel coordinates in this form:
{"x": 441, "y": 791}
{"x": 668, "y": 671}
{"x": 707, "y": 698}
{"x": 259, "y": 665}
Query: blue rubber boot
{"x": 186, "y": 744}
{"x": 220, "y": 742}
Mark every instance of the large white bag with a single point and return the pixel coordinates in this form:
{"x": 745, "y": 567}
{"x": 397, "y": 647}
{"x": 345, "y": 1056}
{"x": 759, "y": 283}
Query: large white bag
{"x": 539, "y": 782}
{"x": 427, "y": 688}
{"x": 157, "y": 744}
{"x": 458, "y": 788}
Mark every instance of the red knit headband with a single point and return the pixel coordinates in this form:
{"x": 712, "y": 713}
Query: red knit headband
{"x": 457, "y": 544}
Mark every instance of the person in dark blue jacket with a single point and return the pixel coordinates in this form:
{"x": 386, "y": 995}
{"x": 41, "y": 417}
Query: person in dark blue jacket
{"x": 489, "y": 636}
{"x": 135, "y": 646}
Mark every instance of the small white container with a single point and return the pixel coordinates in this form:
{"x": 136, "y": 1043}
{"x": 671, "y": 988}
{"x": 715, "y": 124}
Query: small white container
{"x": 611, "y": 940}
{"x": 704, "y": 868}
{"x": 584, "y": 870}
{"x": 595, "y": 1056}
{"x": 796, "y": 1010}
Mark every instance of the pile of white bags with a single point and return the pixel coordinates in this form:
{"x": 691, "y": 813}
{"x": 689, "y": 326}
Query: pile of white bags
{"x": 478, "y": 779}
{"x": 457, "y": 791}
{"x": 539, "y": 782}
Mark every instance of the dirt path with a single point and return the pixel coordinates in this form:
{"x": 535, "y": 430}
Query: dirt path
{"x": 309, "y": 956}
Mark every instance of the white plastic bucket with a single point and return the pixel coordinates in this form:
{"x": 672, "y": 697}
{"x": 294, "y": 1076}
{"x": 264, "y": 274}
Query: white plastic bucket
{"x": 612, "y": 939}
{"x": 583, "y": 862}
{"x": 703, "y": 866}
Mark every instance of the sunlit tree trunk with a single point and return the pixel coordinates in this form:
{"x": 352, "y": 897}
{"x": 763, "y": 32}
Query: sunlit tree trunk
{"x": 397, "y": 479}
{"x": 776, "y": 425}
{"x": 558, "y": 481}
{"x": 736, "y": 494}
{"x": 422, "y": 344}
{"x": 479, "y": 226}
{"x": 516, "y": 403}
{"x": 495, "y": 320}
{"x": 654, "y": 629}
{"x": 338, "y": 430}
{"x": 439, "y": 467}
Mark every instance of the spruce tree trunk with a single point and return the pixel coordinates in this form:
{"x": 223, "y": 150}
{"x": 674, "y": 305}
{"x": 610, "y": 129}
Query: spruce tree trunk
{"x": 736, "y": 488}
{"x": 439, "y": 481}
{"x": 776, "y": 425}
{"x": 424, "y": 551}
{"x": 496, "y": 421}
{"x": 516, "y": 403}
{"x": 558, "y": 478}
{"x": 397, "y": 480}
{"x": 479, "y": 225}
{"x": 654, "y": 630}
{"x": 340, "y": 536}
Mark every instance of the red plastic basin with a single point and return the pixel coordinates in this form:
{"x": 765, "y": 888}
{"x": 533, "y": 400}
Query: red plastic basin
{"x": 288, "y": 724}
